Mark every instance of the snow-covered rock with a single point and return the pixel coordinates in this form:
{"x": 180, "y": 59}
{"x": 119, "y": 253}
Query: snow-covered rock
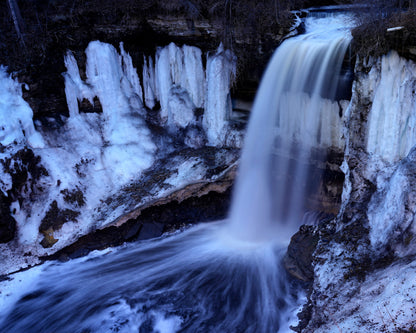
{"x": 364, "y": 261}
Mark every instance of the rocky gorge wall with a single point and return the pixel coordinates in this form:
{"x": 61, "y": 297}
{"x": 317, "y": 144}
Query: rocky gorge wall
{"x": 364, "y": 259}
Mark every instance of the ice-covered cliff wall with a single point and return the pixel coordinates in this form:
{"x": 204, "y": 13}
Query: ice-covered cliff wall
{"x": 364, "y": 261}
{"x": 74, "y": 174}
{"x": 380, "y": 131}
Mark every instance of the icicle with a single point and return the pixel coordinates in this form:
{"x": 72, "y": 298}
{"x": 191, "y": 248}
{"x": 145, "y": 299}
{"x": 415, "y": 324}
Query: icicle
{"x": 149, "y": 83}
{"x": 75, "y": 88}
{"x": 163, "y": 80}
{"x": 130, "y": 72}
{"x": 220, "y": 69}
{"x": 195, "y": 76}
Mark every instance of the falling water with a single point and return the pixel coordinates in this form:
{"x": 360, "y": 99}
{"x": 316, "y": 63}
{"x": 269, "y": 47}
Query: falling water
{"x": 293, "y": 114}
{"x": 217, "y": 277}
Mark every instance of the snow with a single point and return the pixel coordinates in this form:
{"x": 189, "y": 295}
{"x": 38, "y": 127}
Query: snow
{"x": 192, "y": 168}
{"x": 384, "y": 302}
{"x": 392, "y": 119}
{"x": 6, "y": 182}
{"x": 168, "y": 324}
{"x": 220, "y": 71}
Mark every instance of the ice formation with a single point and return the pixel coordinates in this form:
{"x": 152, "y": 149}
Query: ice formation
{"x": 96, "y": 154}
{"x": 114, "y": 80}
{"x": 149, "y": 82}
{"x": 393, "y": 207}
{"x": 180, "y": 83}
{"x": 392, "y": 119}
{"x": 93, "y": 153}
{"x": 16, "y": 125}
{"x": 220, "y": 72}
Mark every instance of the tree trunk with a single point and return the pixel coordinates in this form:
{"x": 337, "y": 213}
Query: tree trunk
{"x": 17, "y": 20}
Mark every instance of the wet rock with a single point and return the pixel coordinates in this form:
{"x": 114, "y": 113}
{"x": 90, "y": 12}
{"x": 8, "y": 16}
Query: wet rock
{"x": 299, "y": 256}
{"x": 150, "y": 230}
{"x": 7, "y": 222}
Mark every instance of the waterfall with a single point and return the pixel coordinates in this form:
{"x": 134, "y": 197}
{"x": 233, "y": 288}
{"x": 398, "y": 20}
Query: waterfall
{"x": 293, "y": 114}
{"x": 213, "y": 277}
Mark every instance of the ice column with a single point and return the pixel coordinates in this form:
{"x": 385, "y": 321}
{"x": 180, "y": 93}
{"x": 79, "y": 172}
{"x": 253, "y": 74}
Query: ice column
{"x": 149, "y": 82}
{"x": 220, "y": 71}
{"x": 180, "y": 84}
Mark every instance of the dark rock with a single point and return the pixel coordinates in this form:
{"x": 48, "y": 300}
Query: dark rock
{"x": 151, "y": 230}
{"x": 56, "y": 217}
{"x": 299, "y": 255}
{"x": 152, "y": 222}
{"x": 26, "y": 169}
{"x": 74, "y": 196}
{"x": 7, "y": 222}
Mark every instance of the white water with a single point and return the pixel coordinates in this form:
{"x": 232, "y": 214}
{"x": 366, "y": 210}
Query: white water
{"x": 292, "y": 114}
{"x": 208, "y": 278}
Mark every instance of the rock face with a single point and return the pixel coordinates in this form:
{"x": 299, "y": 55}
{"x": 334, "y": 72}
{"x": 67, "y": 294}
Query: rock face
{"x": 359, "y": 254}
{"x": 50, "y": 30}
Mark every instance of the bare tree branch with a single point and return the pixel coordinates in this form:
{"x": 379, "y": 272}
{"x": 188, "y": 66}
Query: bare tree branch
{"x": 17, "y": 20}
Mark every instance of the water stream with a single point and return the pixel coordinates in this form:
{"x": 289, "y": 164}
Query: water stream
{"x": 224, "y": 276}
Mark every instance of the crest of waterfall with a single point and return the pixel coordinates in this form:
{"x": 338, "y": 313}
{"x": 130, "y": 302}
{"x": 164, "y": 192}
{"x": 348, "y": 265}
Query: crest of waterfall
{"x": 294, "y": 115}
